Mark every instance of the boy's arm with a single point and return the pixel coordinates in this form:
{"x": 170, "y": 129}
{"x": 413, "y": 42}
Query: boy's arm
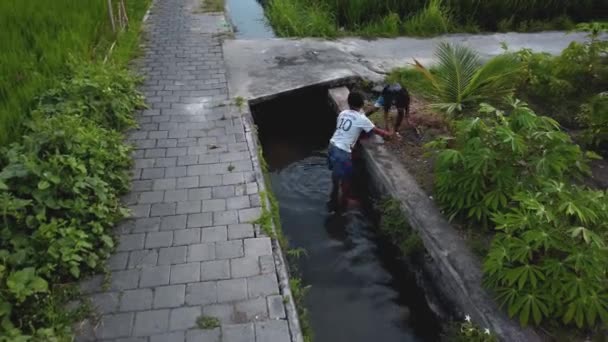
{"x": 369, "y": 128}
{"x": 381, "y": 132}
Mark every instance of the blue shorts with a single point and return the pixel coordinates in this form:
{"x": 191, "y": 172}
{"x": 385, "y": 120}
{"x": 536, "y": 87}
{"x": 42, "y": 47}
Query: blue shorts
{"x": 340, "y": 163}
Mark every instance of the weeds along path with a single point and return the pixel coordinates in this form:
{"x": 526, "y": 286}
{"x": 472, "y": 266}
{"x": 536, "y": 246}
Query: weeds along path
{"x": 189, "y": 265}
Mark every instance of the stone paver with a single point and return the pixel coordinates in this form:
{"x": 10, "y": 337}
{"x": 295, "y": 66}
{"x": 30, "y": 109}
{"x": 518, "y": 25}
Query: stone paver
{"x": 190, "y": 248}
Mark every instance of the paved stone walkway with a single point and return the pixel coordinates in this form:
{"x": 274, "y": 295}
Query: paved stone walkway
{"x": 190, "y": 248}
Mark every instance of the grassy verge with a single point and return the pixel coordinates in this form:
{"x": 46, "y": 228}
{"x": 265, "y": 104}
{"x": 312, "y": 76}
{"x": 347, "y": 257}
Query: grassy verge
{"x": 394, "y": 224}
{"x": 62, "y": 177}
{"x": 390, "y": 18}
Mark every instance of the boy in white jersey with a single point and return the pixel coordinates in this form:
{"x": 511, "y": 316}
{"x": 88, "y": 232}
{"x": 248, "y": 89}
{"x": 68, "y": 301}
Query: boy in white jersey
{"x": 351, "y": 123}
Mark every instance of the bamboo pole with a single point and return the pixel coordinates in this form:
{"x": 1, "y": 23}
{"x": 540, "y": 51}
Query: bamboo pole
{"x": 111, "y": 13}
{"x": 124, "y": 12}
{"x": 121, "y": 18}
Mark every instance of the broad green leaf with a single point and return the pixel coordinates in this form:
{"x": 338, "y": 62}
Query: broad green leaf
{"x": 24, "y": 283}
{"x": 107, "y": 240}
{"x": 75, "y": 271}
{"x": 43, "y": 185}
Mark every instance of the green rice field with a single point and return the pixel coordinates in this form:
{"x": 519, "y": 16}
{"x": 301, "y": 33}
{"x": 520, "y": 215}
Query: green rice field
{"x": 40, "y": 38}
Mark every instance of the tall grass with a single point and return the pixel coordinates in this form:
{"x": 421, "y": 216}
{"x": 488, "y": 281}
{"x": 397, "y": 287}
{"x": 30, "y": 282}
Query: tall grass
{"x": 298, "y": 18}
{"x": 389, "y": 26}
{"x": 429, "y": 17}
{"x": 434, "y": 19}
{"x": 39, "y": 37}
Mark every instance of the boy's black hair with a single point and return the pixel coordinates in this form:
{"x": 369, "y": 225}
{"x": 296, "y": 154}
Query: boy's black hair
{"x": 355, "y": 100}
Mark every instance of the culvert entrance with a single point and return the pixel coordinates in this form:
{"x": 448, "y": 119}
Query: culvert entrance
{"x": 361, "y": 290}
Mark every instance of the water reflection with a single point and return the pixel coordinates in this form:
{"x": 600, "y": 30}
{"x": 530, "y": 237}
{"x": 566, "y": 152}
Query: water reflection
{"x": 248, "y": 17}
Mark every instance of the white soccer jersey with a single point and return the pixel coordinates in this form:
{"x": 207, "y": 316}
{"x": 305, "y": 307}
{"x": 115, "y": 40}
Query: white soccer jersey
{"x": 350, "y": 125}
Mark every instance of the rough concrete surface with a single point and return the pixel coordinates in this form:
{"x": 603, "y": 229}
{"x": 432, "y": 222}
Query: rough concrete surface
{"x": 457, "y": 272}
{"x": 258, "y": 68}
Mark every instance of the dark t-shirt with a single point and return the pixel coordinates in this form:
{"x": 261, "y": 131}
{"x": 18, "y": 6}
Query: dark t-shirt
{"x": 395, "y": 94}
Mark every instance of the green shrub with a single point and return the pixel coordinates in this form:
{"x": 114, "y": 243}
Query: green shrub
{"x": 207, "y": 322}
{"x": 434, "y": 19}
{"x": 494, "y": 156}
{"x": 62, "y": 184}
{"x": 559, "y": 85}
{"x": 103, "y": 93}
{"x": 299, "y": 293}
{"x": 460, "y": 82}
{"x": 548, "y": 262}
{"x": 594, "y": 117}
{"x": 395, "y": 225}
{"x": 59, "y": 194}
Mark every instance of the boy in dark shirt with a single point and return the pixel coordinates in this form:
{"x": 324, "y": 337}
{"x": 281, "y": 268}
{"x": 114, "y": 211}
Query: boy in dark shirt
{"x": 393, "y": 95}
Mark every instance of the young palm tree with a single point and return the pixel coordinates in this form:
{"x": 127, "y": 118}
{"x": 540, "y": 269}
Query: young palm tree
{"x": 460, "y": 81}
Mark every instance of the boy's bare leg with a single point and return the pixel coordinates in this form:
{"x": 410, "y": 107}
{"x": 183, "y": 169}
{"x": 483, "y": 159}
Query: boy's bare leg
{"x": 348, "y": 201}
{"x": 400, "y": 116}
{"x": 334, "y": 196}
{"x": 345, "y": 196}
{"x": 387, "y": 122}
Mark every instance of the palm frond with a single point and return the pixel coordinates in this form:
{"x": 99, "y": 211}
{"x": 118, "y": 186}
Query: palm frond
{"x": 456, "y": 69}
{"x": 495, "y": 79}
{"x": 427, "y": 74}
{"x": 461, "y": 81}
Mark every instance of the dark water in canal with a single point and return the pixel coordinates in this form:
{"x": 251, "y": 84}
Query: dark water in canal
{"x": 360, "y": 291}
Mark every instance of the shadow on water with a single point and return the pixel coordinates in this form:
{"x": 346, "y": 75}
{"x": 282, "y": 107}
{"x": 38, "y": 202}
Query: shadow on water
{"x": 249, "y": 19}
{"x": 361, "y": 291}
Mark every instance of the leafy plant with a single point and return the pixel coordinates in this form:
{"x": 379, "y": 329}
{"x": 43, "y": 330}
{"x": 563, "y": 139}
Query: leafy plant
{"x": 594, "y": 28}
{"x": 59, "y": 199}
{"x": 395, "y": 225}
{"x": 104, "y": 93}
{"x": 24, "y": 283}
{"x": 559, "y": 85}
{"x": 594, "y": 117}
{"x": 207, "y": 322}
{"x": 239, "y": 101}
{"x": 460, "y": 82}
{"x": 470, "y": 332}
{"x": 494, "y": 156}
{"x": 299, "y": 292}
{"x": 296, "y": 253}
{"x": 549, "y": 259}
